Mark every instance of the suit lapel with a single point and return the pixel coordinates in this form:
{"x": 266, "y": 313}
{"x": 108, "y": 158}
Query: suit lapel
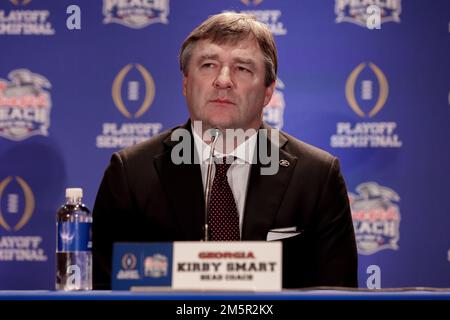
{"x": 265, "y": 193}
{"x": 184, "y": 189}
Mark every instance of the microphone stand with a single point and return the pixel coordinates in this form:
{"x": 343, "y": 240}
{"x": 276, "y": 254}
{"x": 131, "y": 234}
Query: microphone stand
{"x": 215, "y": 133}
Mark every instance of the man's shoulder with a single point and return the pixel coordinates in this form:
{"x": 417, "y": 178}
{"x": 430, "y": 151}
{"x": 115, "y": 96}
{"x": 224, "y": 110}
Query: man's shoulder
{"x": 303, "y": 150}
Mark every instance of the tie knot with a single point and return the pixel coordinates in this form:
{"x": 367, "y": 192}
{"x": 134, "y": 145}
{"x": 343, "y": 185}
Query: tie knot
{"x": 222, "y": 166}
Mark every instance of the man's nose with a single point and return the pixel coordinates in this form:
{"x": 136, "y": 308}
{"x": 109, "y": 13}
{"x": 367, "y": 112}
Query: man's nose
{"x": 223, "y": 79}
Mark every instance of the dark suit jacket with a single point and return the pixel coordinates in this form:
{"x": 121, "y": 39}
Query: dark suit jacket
{"x": 144, "y": 197}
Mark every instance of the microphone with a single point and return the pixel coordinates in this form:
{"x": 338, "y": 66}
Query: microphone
{"x": 215, "y": 133}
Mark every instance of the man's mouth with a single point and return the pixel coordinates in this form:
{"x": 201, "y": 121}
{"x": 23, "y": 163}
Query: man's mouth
{"x": 222, "y": 101}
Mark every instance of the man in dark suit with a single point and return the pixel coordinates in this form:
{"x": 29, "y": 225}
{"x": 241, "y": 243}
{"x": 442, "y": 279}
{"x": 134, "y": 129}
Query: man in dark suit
{"x": 229, "y": 66}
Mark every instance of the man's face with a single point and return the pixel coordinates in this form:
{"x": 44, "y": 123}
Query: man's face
{"x": 224, "y": 86}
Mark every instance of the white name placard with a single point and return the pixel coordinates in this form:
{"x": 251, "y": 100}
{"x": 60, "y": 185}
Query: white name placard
{"x": 227, "y": 266}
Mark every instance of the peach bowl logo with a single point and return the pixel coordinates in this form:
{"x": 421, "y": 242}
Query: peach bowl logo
{"x": 156, "y": 266}
{"x": 356, "y": 11}
{"x": 135, "y": 14}
{"x": 376, "y": 217}
{"x": 25, "y": 105}
{"x": 13, "y": 204}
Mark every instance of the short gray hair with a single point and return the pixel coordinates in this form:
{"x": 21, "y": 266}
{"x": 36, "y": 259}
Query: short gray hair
{"x": 230, "y": 27}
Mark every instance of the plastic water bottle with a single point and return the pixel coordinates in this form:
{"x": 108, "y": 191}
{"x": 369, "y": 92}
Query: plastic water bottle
{"x": 74, "y": 243}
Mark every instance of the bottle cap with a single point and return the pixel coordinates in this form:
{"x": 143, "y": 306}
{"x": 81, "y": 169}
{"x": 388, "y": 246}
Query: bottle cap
{"x": 74, "y": 193}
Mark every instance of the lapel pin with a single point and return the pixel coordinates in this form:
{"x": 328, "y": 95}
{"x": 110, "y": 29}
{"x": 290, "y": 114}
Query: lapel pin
{"x": 284, "y": 163}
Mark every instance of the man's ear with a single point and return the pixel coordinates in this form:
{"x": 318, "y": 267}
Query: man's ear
{"x": 184, "y": 84}
{"x": 269, "y": 93}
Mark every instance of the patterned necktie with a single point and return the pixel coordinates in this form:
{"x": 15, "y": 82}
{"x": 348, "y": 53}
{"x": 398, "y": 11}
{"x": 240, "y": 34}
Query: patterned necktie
{"x": 223, "y": 217}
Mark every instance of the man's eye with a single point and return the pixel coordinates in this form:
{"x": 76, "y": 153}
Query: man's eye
{"x": 243, "y": 69}
{"x": 207, "y": 65}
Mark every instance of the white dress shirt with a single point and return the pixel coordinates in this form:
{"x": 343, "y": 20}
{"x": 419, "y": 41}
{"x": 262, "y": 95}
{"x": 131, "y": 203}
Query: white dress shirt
{"x": 238, "y": 172}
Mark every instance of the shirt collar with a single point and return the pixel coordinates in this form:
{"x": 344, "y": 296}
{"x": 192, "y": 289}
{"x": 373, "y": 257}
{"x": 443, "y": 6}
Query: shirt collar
{"x": 243, "y": 153}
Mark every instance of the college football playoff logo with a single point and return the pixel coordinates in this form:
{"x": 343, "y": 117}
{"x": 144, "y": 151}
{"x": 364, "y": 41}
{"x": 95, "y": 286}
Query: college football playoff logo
{"x": 12, "y": 207}
{"x": 149, "y": 90}
{"x": 366, "y": 90}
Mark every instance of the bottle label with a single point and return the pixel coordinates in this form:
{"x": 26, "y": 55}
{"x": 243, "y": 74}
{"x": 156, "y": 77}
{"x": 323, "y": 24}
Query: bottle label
{"x": 74, "y": 236}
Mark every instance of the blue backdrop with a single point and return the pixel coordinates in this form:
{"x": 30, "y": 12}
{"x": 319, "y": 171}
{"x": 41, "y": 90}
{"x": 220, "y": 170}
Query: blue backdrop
{"x": 370, "y": 85}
